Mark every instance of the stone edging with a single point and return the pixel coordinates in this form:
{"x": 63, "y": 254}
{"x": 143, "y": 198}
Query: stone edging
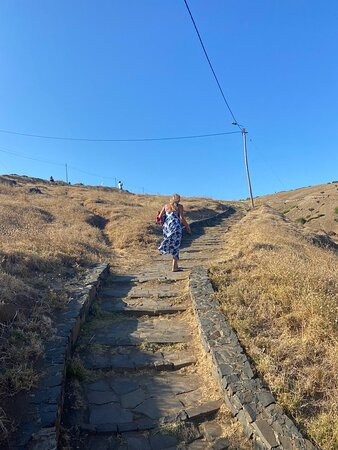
{"x": 249, "y": 402}
{"x": 43, "y": 408}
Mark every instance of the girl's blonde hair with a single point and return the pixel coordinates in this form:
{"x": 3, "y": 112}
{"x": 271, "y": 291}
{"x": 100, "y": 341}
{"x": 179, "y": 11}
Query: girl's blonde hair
{"x": 174, "y": 201}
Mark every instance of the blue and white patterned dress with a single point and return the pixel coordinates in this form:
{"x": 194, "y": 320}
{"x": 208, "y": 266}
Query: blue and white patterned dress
{"x": 172, "y": 233}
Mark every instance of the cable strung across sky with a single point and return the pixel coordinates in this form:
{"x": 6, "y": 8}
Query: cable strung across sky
{"x": 243, "y": 131}
{"x": 166, "y": 138}
{"x": 53, "y": 163}
{"x": 211, "y": 66}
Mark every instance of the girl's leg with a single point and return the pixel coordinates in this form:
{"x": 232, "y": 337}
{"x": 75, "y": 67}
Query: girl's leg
{"x": 175, "y": 264}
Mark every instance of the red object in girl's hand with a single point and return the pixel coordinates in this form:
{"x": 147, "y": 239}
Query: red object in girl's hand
{"x": 159, "y": 220}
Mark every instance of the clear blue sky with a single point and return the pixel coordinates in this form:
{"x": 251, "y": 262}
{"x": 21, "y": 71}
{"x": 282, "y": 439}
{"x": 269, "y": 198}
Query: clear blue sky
{"x": 131, "y": 68}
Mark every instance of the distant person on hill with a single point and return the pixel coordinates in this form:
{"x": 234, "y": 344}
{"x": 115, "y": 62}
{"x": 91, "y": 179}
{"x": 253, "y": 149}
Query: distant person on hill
{"x": 120, "y": 186}
{"x": 172, "y": 218}
{"x": 51, "y": 180}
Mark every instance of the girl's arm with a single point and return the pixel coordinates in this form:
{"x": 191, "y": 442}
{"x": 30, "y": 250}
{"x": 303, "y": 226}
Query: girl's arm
{"x": 183, "y": 219}
{"x": 161, "y": 212}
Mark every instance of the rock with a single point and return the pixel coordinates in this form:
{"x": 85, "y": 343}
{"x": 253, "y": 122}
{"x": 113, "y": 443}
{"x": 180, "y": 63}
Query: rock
{"x": 161, "y": 441}
{"x": 109, "y": 414}
{"x": 204, "y": 410}
{"x": 155, "y": 408}
{"x": 136, "y": 441}
{"x": 100, "y": 385}
{"x": 129, "y": 426}
{"x": 198, "y": 445}
{"x": 265, "y": 398}
{"x": 265, "y": 433}
{"x": 221, "y": 444}
{"x": 212, "y": 431}
{"x": 34, "y": 190}
{"x": 98, "y": 442}
{"x": 133, "y": 399}
{"x": 124, "y": 386}
{"x": 101, "y": 397}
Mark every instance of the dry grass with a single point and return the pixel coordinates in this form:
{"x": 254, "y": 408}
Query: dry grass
{"x": 47, "y": 240}
{"x": 131, "y": 218}
{"x": 280, "y": 294}
{"x": 314, "y": 206}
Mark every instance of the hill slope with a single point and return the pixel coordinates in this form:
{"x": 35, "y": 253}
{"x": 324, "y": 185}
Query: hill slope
{"x": 279, "y": 292}
{"x": 48, "y": 236}
{"x": 314, "y": 206}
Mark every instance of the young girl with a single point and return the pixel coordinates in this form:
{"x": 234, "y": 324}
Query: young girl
{"x": 172, "y": 215}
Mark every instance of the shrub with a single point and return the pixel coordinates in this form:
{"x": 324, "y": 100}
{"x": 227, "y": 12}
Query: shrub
{"x": 301, "y": 220}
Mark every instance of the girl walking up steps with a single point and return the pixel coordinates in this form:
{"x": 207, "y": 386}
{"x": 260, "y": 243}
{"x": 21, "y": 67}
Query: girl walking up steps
{"x": 172, "y": 218}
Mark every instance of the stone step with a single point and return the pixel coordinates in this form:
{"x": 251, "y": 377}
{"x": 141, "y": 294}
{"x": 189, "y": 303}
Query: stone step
{"x": 193, "y": 256}
{"x": 198, "y": 248}
{"x": 162, "y": 276}
{"x": 131, "y": 359}
{"x": 128, "y": 290}
{"x": 129, "y": 278}
{"x": 185, "y": 256}
{"x": 127, "y": 331}
{"x": 153, "y": 440}
{"x": 206, "y": 241}
{"x": 138, "y": 402}
{"x": 140, "y": 307}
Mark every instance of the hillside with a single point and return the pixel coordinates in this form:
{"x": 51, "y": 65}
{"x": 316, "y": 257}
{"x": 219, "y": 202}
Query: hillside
{"x": 49, "y": 236}
{"x": 276, "y": 280}
{"x": 316, "y": 207}
{"x": 278, "y": 289}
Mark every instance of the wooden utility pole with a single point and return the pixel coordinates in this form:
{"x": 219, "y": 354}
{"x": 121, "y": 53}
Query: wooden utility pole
{"x": 247, "y": 166}
{"x": 66, "y": 173}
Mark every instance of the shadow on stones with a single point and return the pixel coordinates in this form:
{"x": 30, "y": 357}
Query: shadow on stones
{"x": 198, "y": 227}
{"x": 131, "y": 387}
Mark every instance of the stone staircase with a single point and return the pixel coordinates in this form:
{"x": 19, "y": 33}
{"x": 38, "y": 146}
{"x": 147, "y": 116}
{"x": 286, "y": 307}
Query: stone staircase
{"x": 141, "y": 379}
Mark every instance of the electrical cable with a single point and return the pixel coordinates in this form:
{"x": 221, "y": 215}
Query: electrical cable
{"x": 211, "y": 66}
{"x": 5, "y": 150}
{"x": 166, "y": 138}
{"x": 76, "y": 169}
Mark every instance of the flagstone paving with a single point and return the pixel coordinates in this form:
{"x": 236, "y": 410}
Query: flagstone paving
{"x": 140, "y": 381}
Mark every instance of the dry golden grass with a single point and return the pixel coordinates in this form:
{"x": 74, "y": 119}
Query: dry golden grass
{"x": 46, "y": 241}
{"x": 315, "y": 206}
{"x": 131, "y": 219}
{"x": 279, "y": 292}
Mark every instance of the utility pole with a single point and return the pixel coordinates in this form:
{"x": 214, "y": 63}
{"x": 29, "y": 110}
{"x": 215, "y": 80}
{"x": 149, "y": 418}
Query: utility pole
{"x": 247, "y": 166}
{"x": 66, "y": 173}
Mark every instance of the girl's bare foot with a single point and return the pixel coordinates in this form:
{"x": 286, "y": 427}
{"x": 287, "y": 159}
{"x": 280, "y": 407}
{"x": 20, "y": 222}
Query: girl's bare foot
{"x": 175, "y": 265}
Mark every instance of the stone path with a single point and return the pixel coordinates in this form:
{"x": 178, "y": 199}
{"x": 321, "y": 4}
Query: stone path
{"x": 140, "y": 377}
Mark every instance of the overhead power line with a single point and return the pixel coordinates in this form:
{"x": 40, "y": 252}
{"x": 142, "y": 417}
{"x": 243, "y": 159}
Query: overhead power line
{"x": 10, "y": 152}
{"x": 166, "y": 138}
{"x": 211, "y": 66}
{"x": 235, "y": 122}
{"x": 52, "y": 163}
{"x": 91, "y": 173}
{"x": 76, "y": 169}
